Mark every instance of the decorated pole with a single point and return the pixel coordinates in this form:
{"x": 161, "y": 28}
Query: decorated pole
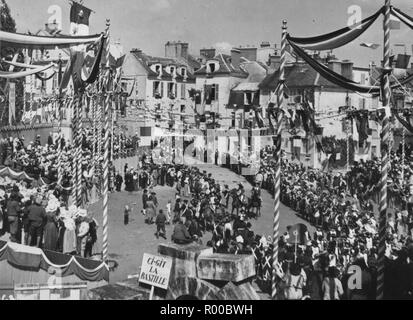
{"x": 348, "y": 127}
{"x": 74, "y": 149}
{"x": 94, "y": 133}
{"x": 112, "y": 130}
{"x": 106, "y": 151}
{"x": 403, "y": 152}
{"x": 79, "y": 137}
{"x": 277, "y": 182}
{"x": 384, "y": 155}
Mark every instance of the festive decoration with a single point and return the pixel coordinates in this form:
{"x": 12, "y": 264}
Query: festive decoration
{"x": 337, "y": 38}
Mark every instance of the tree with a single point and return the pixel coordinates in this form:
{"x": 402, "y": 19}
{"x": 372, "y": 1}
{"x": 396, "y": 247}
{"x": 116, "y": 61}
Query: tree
{"x": 7, "y": 23}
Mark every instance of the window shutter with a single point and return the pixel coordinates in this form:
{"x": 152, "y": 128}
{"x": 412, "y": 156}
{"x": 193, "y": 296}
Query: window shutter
{"x": 161, "y": 85}
{"x": 216, "y": 92}
{"x": 154, "y": 88}
{"x": 183, "y": 90}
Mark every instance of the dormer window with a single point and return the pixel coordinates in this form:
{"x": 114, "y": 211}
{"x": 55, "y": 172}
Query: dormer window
{"x": 172, "y": 70}
{"x": 157, "y": 68}
{"x": 212, "y": 66}
{"x": 183, "y": 72}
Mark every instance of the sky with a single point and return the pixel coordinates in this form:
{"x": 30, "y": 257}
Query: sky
{"x": 149, "y": 24}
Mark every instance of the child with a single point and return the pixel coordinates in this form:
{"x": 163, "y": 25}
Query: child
{"x": 168, "y": 212}
{"x": 126, "y": 215}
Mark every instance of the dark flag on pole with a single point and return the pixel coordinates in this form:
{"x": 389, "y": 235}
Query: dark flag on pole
{"x": 79, "y": 19}
{"x": 297, "y": 234}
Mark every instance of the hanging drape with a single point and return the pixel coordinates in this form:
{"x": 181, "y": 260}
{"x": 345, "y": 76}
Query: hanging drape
{"x": 406, "y": 123}
{"x": 22, "y": 74}
{"x": 45, "y": 78}
{"x": 337, "y": 38}
{"x": 397, "y": 13}
{"x": 21, "y": 65}
{"x": 18, "y": 40}
{"x": 24, "y": 257}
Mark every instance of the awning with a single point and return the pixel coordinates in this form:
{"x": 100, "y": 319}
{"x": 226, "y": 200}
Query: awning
{"x": 236, "y": 100}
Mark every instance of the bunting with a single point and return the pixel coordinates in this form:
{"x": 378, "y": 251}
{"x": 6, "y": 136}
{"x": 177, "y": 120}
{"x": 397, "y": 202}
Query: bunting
{"x": 22, "y": 74}
{"x": 337, "y": 38}
{"x": 332, "y": 76}
{"x": 397, "y": 13}
{"x": 19, "y": 40}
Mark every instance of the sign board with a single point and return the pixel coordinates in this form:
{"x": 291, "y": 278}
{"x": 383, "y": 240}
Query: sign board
{"x": 155, "y": 270}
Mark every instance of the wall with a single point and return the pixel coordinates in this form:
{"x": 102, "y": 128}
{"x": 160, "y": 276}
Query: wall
{"x": 225, "y": 84}
{"x": 133, "y": 68}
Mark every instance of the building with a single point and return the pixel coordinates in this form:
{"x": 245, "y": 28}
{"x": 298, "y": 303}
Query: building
{"x": 159, "y": 88}
{"x": 215, "y": 79}
{"x": 328, "y": 101}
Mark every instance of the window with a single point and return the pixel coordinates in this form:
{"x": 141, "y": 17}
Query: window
{"x": 362, "y": 103}
{"x": 212, "y": 67}
{"x": 214, "y": 92}
{"x": 124, "y": 86}
{"x": 158, "y": 69}
{"x": 157, "y": 89}
{"x": 363, "y": 78}
{"x": 183, "y": 72}
{"x": 172, "y": 71}
{"x": 248, "y": 98}
{"x": 172, "y": 89}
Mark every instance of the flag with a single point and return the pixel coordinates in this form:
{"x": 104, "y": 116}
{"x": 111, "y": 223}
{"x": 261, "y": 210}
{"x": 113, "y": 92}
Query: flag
{"x": 369, "y": 45}
{"x": 12, "y": 102}
{"x": 297, "y": 234}
{"x": 79, "y": 19}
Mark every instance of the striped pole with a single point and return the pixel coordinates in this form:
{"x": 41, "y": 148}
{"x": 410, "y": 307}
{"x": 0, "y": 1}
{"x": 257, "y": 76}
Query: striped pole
{"x": 403, "y": 151}
{"x": 74, "y": 148}
{"x": 348, "y": 127}
{"x": 112, "y": 131}
{"x": 384, "y": 156}
{"x": 94, "y": 132}
{"x": 60, "y": 170}
{"x": 99, "y": 133}
{"x": 106, "y": 152}
{"x": 277, "y": 182}
{"x": 79, "y": 150}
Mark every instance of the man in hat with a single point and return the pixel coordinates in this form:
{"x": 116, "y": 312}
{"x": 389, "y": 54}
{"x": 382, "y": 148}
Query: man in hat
{"x": 160, "y": 224}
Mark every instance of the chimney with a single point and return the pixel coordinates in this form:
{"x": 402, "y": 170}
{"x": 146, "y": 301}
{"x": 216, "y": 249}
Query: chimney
{"x": 249, "y": 53}
{"x": 136, "y": 51}
{"x": 51, "y": 27}
{"x": 347, "y": 69}
{"x": 235, "y": 57}
{"x": 265, "y": 44}
{"x": 208, "y": 53}
{"x": 274, "y": 62}
{"x": 335, "y": 65}
{"x": 176, "y": 49}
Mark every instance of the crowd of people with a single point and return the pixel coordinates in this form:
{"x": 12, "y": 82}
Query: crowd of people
{"x": 341, "y": 207}
{"x": 37, "y": 210}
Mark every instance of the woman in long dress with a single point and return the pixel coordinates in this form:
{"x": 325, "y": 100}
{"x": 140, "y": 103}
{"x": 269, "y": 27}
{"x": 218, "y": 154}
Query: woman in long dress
{"x": 50, "y": 235}
{"x": 151, "y": 210}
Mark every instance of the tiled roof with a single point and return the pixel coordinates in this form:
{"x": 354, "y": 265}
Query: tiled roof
{"x": 225, "y": 67}
{"x": 147, "y": 61}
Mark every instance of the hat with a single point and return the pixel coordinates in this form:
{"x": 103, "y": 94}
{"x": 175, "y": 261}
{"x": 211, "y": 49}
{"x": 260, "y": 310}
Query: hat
{"x": 239, "y": 239}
